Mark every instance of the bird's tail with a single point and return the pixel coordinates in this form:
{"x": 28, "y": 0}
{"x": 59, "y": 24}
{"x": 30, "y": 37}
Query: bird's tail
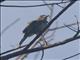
{"x": 22, "y": 40}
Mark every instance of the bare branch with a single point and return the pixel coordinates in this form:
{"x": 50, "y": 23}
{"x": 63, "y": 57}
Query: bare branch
{"x": 26, "y": 50}
{"x": 31, "y": 5}
{"x": 57, "y": 16}
{"x": 62, "y": 27}
{"x": 57, "y": 44}
{"x": 10, "y": 25}
{"x": 38, "y": 48}
{"x": 42, "y": 52}
{"x": 46, "y": 5}
{"x": 59, "y": 5}
{"x": 70, "y": 28}
{"x": 47, "y": 38}
{"x": 71, "y": 56}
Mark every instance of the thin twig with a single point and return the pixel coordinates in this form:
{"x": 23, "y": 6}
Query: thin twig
{"x": 10, "y": 25}
{"x": 42, "y": 52}
{"x": 70, "y": 28}
{"x": 78, "y": 31}
{"x": 46, "y": 5}
{"x": 71, "y": 56}
{"x": 59, "y": 5}
{"x": 62, "y": 27}
{"x": 31, "y": 5}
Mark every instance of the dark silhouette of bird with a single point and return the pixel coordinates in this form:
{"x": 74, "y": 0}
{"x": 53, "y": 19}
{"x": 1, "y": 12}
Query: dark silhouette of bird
{"x": 35, "y": 27}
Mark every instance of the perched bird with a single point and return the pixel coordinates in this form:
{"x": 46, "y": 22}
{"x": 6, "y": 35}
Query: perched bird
{"x": 35, "y": 27}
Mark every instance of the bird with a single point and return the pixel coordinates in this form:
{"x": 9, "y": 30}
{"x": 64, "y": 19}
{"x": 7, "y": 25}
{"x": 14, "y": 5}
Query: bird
{"x": 35, "y": 27}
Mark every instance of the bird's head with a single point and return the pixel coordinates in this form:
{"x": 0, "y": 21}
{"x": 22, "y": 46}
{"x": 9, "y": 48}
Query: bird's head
{"x": 43, "y": 17}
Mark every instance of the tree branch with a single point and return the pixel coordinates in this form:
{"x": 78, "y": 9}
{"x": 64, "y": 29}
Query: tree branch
{"x": 26, "y": 50}
{"x": 71, "y": 56}
{"x": 62, "y": 27}
{"x": 57, "y": 16}
{"x": 38, "y": 48}
{"x": 47, "y": 38}
{"x": 32, "y": 5}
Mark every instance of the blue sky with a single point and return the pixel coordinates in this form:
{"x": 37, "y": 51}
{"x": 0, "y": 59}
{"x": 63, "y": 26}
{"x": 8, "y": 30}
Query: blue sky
{"x": 11, "y": 37}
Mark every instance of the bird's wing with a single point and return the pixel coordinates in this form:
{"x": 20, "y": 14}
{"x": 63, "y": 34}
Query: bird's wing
{"x": 29, "y": 27}
{"x": 25, "y": 30}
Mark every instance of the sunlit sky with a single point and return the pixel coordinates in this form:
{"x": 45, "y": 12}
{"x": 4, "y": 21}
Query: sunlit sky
{"x": 11, "y": 37}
